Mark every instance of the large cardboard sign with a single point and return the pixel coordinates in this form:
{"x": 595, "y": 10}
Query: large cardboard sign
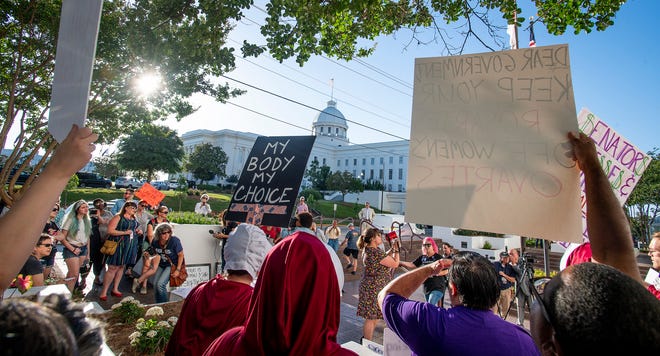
{"x": 622, "y": 161}
{"x": 151, "y": 195}
{"x": 74, "y": 61}
{"x": 488, "y": 147}
{"x": 267, "y": 189}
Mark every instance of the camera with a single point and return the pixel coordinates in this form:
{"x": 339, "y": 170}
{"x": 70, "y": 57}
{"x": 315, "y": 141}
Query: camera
{"x": 93, "y": 211}
{"x": 526, "y": 258}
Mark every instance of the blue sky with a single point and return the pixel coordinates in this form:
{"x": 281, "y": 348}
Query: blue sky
{"x": 614, "y": 73}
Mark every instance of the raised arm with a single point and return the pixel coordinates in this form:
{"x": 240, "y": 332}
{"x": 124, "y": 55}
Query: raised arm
{"x": 35, "y": 205}
{"x": 608, "y": 228}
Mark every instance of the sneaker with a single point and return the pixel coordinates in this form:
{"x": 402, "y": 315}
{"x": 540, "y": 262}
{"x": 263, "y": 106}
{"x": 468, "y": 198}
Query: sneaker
{"x": 143, "y": 290}
{"x": 135, "y": 285}
{"x": 349, "y": 266}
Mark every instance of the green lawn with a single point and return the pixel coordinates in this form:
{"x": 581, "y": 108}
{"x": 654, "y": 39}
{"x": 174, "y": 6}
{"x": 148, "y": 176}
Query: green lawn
{"x": 184, "y": 202}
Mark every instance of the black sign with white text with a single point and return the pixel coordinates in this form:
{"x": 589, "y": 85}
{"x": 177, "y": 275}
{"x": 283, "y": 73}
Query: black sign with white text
{"x": 268, "y": 187}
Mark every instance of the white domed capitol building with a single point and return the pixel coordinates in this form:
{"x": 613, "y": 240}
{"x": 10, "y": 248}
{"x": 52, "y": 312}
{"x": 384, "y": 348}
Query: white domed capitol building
{"x": 385, "y": 162}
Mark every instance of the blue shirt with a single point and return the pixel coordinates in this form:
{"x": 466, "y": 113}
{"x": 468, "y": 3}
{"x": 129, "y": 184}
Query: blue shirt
{"x": 170, "y": 250}
{"x": 508, "y": 270}
{"x": 430, "y": 330}
{"x": 352, "y": 237}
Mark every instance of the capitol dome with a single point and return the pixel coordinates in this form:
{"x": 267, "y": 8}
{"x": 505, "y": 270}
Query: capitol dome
{"x": 330, "y": 122}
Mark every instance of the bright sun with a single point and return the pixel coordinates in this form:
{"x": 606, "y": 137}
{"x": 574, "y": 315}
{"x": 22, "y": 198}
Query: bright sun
{"x": 148, "y": 83}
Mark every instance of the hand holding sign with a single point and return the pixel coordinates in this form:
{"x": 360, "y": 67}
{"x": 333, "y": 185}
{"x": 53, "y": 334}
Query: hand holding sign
{"x": 74, "y": 152}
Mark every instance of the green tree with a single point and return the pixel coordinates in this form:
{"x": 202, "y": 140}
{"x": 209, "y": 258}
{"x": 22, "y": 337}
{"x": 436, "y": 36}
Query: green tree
{"x": 345, "y": 183}
{"x": 374, "y": 185}
{"x": 318, "y": 175}
{"x": 206, "y": 162}
{"x": 346, "y": 29}
{"x": 107, "y": 165}
{"x": 642, "y": 205}
{"x": 150, "y": 149}
{"x": 182, "y": 40}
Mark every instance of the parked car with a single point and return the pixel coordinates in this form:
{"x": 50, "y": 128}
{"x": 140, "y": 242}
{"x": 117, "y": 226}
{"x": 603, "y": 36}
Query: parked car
{"x": 88, "y": 179}
{"x": 21, "y": 177}
{"x": 127, "y": 182}
{"x": 173, "y": 184}
{"x": 160, "y": 185}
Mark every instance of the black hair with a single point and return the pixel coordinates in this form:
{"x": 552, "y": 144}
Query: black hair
{"x": 57, "y": 327}
{"x": 306, "y": 220}
{"x": 475, "y": 279}
{"x": 596, "y": 309}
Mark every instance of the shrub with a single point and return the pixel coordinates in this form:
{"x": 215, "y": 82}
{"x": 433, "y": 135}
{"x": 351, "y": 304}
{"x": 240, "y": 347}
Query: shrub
{"x": 311, "y": 192}
{"x": 152, "y": 335}
{"x": 487, "y": 246}
{"x": 189, "y": 217}
{"x": 466, "y": 232}
{"x": 128, "y": 310}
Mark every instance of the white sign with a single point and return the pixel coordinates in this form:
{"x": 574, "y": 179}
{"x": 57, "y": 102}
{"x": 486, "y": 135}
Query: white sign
{"x": 393, "y": 345}
{"x": 622, "y": 161}
{"x": 197, "y": 274}
{"x": 74, "y": 61}
{"x": 488, "y": 146}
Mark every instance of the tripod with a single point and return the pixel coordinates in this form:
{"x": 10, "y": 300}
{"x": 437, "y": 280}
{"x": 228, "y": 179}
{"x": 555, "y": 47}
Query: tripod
{"x": 527, "y": 274}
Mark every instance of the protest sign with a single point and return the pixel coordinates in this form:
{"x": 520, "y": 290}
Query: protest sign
{"x": 151, "y": 195}
{"x": 488, "y": 147}
{"x": 74, "y": 61}
{"x": 267, "y": 189}
{"x": 622, "y": 161}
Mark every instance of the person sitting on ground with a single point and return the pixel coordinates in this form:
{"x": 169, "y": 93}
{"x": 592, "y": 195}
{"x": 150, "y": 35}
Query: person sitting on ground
{"x": 220, "y": 304}
{"x": 37, "y": 201}
{"x": 294, "y": 309}
{"x": 56, "y": 327}
{"x": 203, "y": 206}
{"x": 469, "y": 327}
{"x": 434, "y": 287}
{"x": 33, "y": 266}
{"x": 598, "y": 308}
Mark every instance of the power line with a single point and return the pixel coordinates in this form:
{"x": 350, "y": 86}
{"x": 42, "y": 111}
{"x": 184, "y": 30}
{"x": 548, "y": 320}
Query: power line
{"x": 319, "y": 92}
{"x": 313, "y": 108}
{"x": 366, "y": 76}
{"x": 306, "y": 129}
{"x": 384, "y": 73}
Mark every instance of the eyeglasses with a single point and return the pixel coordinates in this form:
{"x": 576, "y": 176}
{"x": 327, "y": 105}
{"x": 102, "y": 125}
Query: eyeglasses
{"x": 166, "y": 232}
{"x": 56, "y": 209}
{"x": 47, "y": 245}
{"x": 143, "y": 205}
{"x": 164, "y": 212}
{"x": 426, "y": 245}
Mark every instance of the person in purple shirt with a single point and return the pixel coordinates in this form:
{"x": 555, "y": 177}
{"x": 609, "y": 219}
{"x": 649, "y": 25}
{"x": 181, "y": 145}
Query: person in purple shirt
{"x": 469, "y": 327}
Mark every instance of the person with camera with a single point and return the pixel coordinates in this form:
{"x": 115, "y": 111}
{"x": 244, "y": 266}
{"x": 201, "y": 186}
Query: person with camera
{"x": 506, "y": 279}
{"x": 434, "y": 286}
{"x": 524, "y": 275}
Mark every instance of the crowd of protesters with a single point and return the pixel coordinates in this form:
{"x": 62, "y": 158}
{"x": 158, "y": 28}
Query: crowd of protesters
{"x": 294, "y": 307}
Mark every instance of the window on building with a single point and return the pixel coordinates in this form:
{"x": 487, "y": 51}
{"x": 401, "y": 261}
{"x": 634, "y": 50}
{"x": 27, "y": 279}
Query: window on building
{"x": 371, "y": 174}
{"x": 337, "y": 130}
{"x": 316, "y": 159}
{"x": 321, "y": 129}
{"x": 380, "y": 174}
{"x": 400, "y": 159}
{"x": 381, "y": 160}
{"x": 389, "y": 187}
{"x": 373, "y": 160}
{"x": 355, "y": 173}
{"x": 364, "y": 161}
{"x": 389, "y": 174}
{"x": 400, "y": 187}
{"x": 355, "y": 161}
{"x": 346, "y": 163}
{"x": 338, "y": 163}
{"x": 324, "y": 161}
{"x": 400, "y": 173}
{"x": 392, "y": 160}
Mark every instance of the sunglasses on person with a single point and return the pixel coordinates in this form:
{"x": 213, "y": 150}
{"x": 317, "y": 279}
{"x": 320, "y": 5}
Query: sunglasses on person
{"x": 426, "y": 245}
{"x": 46, "y": 245}
{"x": 144, "y": 205}
{"x": 166, "y": 232}
{"x": 164, "y": 212}
{"x": 56, "y": 209}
